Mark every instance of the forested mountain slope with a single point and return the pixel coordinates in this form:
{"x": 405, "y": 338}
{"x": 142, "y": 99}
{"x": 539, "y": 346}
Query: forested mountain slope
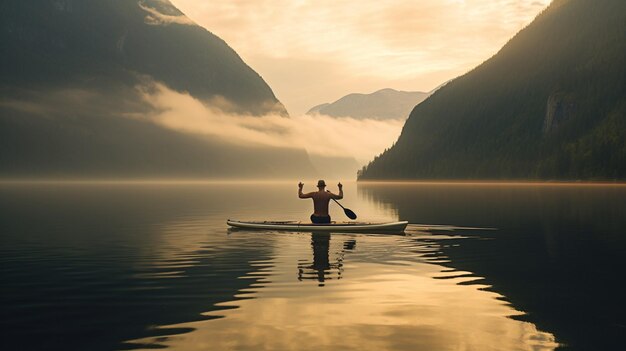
{"x": 75, "y": 75}
{"x": 551, "y": 104}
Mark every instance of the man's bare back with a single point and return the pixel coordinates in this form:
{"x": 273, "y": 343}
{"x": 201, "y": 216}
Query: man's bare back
{"x": 321, "y": 198}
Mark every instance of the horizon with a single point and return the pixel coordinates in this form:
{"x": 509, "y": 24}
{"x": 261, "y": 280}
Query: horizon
{"x": 308, "y": 182}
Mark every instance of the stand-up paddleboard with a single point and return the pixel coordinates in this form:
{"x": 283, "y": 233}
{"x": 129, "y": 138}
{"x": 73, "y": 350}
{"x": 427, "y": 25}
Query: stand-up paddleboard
{"x": 360, "y": 227}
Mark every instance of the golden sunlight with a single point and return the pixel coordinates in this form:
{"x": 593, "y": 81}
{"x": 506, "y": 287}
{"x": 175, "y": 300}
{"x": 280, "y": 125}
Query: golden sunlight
{"x": 317, "y": 51}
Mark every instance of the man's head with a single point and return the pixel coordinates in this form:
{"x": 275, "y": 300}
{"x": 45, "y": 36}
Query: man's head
{"x": 321, "y": 184}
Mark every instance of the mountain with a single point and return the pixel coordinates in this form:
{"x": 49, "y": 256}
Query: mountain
{"x": 61, "y": 41}
{"x": 551, "y": 104}
{"x": 75, "y": 76}
{"x": 382, "y": 104}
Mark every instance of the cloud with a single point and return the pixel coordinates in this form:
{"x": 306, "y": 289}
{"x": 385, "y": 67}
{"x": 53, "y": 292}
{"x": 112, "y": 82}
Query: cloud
{"x": 67, "y": 99}
{"x": 214, "y": 119}
{"x": 24, "y": 106}
{"x": 49, "y": 102}
{"x": 155, "y": 17}
{"x": 321, "y": 135}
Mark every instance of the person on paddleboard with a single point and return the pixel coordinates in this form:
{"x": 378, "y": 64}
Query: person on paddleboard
{"x": 321, "y": 198}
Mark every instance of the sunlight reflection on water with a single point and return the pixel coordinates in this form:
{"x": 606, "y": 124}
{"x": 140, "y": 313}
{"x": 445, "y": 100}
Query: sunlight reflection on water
{"x": 118, "y": 266}
{"x": 357, "y": 292}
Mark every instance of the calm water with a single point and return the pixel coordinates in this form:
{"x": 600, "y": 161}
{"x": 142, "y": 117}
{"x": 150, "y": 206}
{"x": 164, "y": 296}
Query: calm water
{"x": 144, "y": 266}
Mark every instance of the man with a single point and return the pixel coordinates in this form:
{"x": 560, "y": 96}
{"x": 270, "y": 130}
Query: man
{"x": 321, "y": 198}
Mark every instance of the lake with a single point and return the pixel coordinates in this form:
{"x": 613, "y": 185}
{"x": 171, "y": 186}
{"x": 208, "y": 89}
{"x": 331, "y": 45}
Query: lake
{"x": 144, "y": 265}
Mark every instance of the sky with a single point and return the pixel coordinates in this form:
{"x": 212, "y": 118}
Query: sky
{"x": 311, "y": 52}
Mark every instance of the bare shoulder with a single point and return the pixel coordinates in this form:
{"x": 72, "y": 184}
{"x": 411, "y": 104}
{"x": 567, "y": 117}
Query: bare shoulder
{"x": 332, "y": 195}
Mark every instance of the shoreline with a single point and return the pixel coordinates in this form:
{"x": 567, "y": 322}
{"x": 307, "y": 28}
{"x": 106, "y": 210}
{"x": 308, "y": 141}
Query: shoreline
{"x": 495, "y": 182}
{"x": 201, "y": 181}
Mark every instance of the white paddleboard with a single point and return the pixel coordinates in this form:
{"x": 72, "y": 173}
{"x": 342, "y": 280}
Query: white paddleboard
{"x": 343, "y": 227}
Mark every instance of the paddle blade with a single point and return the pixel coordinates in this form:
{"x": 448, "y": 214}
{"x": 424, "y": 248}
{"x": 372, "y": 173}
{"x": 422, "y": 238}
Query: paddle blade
{"x": 349, "y": 213}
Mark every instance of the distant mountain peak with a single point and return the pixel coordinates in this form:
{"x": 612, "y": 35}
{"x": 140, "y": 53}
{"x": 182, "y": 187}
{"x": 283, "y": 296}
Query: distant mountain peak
{"x": 385, "y": 103}
{"x": 386, "y": 90}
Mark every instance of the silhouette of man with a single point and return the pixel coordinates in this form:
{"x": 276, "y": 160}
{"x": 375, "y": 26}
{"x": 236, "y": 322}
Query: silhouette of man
{"x": 321, "y": 198}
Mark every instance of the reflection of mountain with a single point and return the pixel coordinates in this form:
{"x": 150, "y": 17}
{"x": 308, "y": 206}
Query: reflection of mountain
{"x": 555, "y": 254}
{"x": 382, "y": 104}
{"x": 550, "y": 104}
{"x": 69, "y": 103}
{"x": 109, "y": 263}
{"x": 388, "y": 301}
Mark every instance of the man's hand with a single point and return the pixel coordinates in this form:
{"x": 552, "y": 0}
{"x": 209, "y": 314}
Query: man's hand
{"x": 300, "y": 185}
{"x": 340, "y": 195}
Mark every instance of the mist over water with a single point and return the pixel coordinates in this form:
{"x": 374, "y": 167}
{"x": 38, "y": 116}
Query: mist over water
{"x": 106, "y": 266}
{"x": 93, "y": 130}
{"x": 361, "y": 139}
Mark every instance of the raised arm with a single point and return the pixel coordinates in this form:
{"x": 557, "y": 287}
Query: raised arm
{"x": 340, "y": 196}
{"x": 300, "y": 194}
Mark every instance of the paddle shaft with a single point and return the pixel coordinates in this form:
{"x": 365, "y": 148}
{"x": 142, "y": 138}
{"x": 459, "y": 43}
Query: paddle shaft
{"x": 349, "y": 213}
{"x": 340, "y": 205}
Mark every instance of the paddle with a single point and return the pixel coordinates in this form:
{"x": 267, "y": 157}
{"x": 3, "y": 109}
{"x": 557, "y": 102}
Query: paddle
{"x": 347, "y": 211}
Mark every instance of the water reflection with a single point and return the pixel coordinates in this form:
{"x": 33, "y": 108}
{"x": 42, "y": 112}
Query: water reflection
{"x": 556, "y": 253}
{"x": 109, "y": 267}
{"x": 389, "y": 301}
{"x": 88, "y": 267}
{"x": 321, "y": 268}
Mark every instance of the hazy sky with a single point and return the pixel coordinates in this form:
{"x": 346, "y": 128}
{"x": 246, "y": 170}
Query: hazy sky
{"x": 312, "y": 52}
